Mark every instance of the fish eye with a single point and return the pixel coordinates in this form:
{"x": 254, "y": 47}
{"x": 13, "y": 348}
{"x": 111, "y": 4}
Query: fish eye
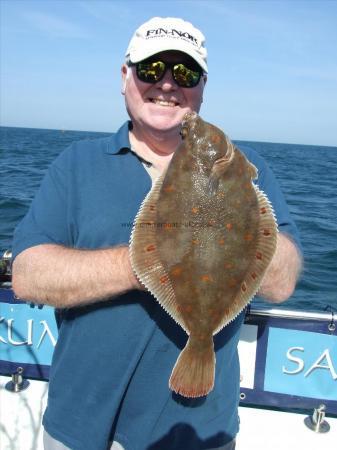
{"x": 183, "y": 132}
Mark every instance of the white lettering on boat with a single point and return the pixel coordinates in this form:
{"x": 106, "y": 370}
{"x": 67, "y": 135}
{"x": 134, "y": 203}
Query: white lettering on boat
{"x": 16, "y": 338}
{"x": 294, "y": 359}
{"x": 318, "y": 364}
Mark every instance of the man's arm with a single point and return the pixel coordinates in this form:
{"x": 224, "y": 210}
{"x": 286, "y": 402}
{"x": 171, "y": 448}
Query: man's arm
{"x": 281, "y": 276}
{"x": 64, "y": 277}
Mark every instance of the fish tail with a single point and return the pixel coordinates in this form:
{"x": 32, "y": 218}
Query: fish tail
{"x": 193, "y": 373}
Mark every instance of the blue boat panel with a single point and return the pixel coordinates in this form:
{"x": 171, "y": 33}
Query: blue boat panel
{"x": 295, "y": 363}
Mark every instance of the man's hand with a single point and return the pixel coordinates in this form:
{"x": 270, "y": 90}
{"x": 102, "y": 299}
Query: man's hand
{"x": 65, "y": 277}
{"x": 281, "y": 276}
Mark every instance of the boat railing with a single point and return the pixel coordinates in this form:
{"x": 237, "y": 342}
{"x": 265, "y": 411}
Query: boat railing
{"x": 292, "y": 314}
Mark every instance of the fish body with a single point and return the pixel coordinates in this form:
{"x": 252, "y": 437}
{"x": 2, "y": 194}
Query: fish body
{"x": 201, "y": 243}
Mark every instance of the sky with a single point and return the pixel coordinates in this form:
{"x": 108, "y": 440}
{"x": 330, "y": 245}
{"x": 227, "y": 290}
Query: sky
{"x": 272, "y": 64}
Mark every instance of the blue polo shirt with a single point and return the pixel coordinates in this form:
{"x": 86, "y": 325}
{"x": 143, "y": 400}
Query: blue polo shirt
{"x": 112, "y": 362}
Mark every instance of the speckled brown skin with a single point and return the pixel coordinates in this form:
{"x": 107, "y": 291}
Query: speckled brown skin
{"x": 202, "y": 241}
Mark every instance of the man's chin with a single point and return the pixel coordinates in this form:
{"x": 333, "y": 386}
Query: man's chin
{"x": 165, "y": 129}
{"x": 167, "y": 123}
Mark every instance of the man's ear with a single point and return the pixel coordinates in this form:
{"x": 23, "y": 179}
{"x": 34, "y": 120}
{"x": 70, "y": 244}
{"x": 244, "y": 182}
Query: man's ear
{"x": 124, "y": 71}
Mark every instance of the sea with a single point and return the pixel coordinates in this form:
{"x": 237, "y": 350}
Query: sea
{"x": 306, "y": 173}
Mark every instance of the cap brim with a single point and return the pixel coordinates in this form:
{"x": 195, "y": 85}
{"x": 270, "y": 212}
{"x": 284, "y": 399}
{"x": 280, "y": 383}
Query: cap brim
{"x": 146, "y": 51}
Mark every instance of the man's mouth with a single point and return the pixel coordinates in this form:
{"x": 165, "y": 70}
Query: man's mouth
{"x": 161, "y": 102}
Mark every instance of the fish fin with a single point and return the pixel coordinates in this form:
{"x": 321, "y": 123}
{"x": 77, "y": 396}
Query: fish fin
{"x": 265, "y": 249}
{"x": 193, "y": 373}
{"x": 253, "y": 170}
{"x": 144, "y": 256}
{"x": 220, "y": 166}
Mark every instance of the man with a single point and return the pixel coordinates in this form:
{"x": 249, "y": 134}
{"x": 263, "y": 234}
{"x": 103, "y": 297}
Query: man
{"x": 117, "y": 346}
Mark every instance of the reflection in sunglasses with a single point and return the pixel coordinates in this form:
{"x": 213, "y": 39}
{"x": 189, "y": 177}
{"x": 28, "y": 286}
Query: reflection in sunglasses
{"x": 154, "y": 71}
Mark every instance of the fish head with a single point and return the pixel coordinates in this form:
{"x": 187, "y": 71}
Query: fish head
{"x": 204, "y": 140}
{"x": 190, "y": 125}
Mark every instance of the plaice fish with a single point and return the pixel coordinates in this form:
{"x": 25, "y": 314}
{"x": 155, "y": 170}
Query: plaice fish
{"x": 201, "y": 243}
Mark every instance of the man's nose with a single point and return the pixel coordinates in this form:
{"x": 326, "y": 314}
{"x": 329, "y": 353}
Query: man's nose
{"x": 167, "y": 83}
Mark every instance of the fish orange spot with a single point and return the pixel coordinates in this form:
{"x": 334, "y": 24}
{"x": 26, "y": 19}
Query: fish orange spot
{"x": 228, "y": 265}
{"x": 176, "y": 272}
{"x": 243, "y": 287}
{"x": 195, "y": 210}
{"x": 229, "y": 226}
{"x": 211, "y": 222}
{"x": 150, "y": 248}
{"x": 215, "y": 138}
{"x": 263, "y": 210}
{"x": 221, "y": 241}
{"x": 206, "y": 278}
{"x": 195, "y": 241}
{"x": 248, "y": 237}
{"x": 169, "y": 188}
{"x": 232, "y": 282}
{"x": 253, "y": 275}
{"x": 152, "y": 208}
{"x": 266, "y": 232}
{"x": 164, "y": 279}
{"x": 258, "y": 255}
{"x": 188, "y": 308}
{"x": 168, "y": 226}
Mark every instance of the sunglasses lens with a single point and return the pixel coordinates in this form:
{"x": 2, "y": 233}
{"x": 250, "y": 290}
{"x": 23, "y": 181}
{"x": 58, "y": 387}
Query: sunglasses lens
{"x": 150, "y": 72}
{"x": 153, "y": 71}
{"x": 186, "y": 77}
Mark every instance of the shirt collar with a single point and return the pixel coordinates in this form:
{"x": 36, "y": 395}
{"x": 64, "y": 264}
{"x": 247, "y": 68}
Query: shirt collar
{"x": 120, "y": 140}
{"x": 119, "y": 144}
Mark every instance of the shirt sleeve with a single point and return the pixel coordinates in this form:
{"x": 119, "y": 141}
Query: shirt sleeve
{"x": 46, "y": 221}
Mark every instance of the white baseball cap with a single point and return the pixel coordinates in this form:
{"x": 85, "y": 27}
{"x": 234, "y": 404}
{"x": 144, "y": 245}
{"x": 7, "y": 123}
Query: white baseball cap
{"x": 167, "y": 33}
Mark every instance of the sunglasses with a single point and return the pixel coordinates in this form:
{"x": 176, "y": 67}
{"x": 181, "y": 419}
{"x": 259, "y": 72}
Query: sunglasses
{"x": 185, "y": 75}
